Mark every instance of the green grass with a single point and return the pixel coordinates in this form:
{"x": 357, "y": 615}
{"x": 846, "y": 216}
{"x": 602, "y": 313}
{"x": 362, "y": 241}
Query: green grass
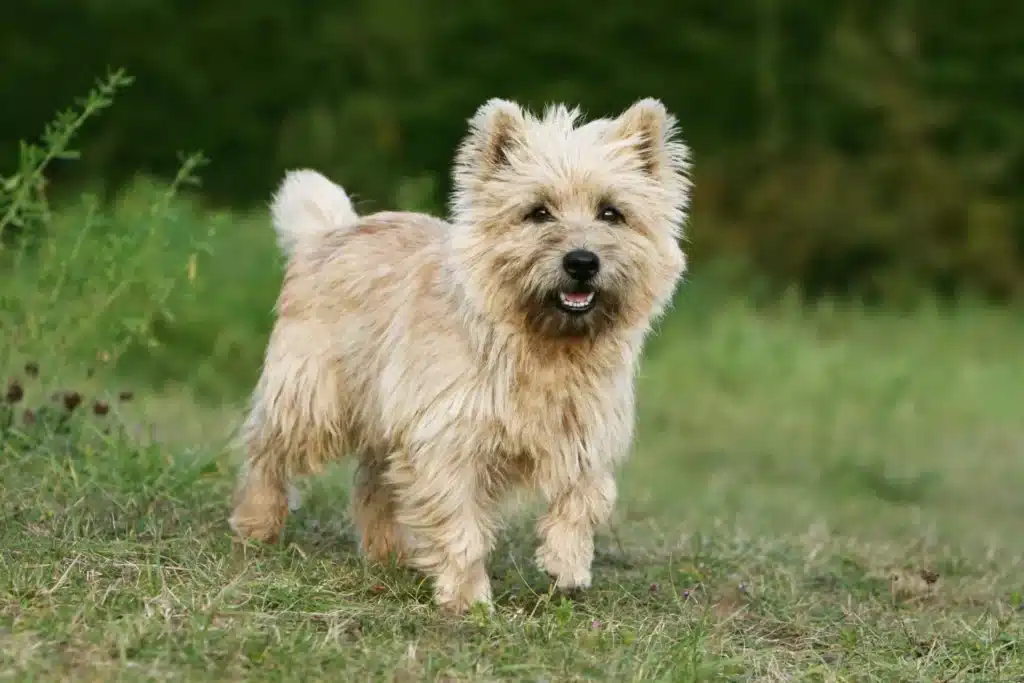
{"x": 822, "y": 496}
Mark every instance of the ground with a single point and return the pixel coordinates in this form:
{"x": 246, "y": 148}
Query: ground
{"x": 834, "y": 496}
{"x": 815, "y": 495}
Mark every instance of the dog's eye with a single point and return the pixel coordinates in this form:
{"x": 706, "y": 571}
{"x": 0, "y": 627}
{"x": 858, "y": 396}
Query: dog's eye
{"x": 609, "y": 214}
{"x": 539, "y": 214}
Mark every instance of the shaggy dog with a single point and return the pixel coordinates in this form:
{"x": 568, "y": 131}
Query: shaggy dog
{"x": 456, "y": 360}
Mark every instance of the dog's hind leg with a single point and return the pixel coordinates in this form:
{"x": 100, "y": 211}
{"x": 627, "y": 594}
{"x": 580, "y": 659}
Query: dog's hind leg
{"x": 261, "y": 501}
{"x": 293, "y": 428}
{"x": 373, "y": 512}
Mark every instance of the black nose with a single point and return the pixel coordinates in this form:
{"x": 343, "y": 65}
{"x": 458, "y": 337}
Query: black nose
{"x": 581, "y": 264}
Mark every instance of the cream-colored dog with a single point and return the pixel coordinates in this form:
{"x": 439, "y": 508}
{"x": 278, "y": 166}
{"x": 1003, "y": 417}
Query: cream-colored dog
{"x": 456, "y": 360}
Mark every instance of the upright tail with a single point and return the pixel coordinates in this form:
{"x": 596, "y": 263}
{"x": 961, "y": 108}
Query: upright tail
{"x": 307, "y": 205}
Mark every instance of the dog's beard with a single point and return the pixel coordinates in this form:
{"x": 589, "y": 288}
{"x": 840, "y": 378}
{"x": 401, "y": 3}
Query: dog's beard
{"x": 570, "y": 310}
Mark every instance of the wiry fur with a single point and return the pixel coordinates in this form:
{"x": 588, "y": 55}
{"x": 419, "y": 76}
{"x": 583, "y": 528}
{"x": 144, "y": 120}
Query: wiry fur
{"x": 431, "y": 352}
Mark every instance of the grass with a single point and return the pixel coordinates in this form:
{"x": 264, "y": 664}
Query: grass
{"x": 823, "y": 496}
{"x": 815, "y": 495}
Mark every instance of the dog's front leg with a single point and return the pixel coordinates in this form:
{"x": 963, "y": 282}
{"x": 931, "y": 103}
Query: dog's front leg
{"x": 567, "y": 529}
{"x": 440, "y": 502}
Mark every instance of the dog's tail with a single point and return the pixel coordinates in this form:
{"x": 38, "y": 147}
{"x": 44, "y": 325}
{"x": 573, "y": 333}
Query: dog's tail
{"x": 307, "y": 205}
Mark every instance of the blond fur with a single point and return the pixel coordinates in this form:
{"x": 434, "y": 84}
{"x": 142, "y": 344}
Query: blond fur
{"x": 308, "y": 205}
{"x": 427, "y": 349}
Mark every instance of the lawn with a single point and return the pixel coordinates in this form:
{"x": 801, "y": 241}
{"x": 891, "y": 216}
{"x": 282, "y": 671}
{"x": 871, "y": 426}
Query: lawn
{"x": 815, "y": 495}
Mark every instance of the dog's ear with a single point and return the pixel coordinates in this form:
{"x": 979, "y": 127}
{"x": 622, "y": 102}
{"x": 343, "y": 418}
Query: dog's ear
{"x": 494, "y": 131}
{"x": 651, "y": 133}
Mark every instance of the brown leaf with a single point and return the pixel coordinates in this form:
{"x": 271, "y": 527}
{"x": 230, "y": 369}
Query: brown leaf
{"x": 72, "y": 399}
{"x": 14, "y": 391}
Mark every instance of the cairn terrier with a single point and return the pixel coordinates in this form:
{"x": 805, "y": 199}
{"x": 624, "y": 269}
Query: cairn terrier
{"x": 457, "y": 360}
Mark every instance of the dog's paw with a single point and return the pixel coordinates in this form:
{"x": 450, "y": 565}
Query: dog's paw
{"x": 570, "y": 572}
{"x": 382, "y": 544}
{"x": 259, "y": 519}
{"x": 248, "y": 528}
{"x": 459, "y": 605}
{"x": 458, "y": 597}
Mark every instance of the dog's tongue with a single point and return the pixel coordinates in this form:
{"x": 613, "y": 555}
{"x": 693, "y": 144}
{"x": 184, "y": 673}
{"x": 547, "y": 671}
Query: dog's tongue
{"x": 577, "y": 297}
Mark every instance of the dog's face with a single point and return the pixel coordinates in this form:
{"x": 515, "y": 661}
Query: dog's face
{"x": 570, "y": 230}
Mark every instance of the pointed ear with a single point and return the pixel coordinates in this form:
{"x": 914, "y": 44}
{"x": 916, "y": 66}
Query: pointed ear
{"x": 495, "y": 129}
{"x": 651, "y": 132}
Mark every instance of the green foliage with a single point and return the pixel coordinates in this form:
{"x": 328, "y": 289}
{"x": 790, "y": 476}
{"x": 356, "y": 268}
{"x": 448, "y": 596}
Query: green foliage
{"x": 871, "y": 151}
{"x": 86, "y": 280}
{"x": 23, "y": 203}
{"x": 898, "y": 216}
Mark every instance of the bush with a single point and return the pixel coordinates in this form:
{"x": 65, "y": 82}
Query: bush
{"x": 896, "y": 219}
{"x": 88, "y": 283}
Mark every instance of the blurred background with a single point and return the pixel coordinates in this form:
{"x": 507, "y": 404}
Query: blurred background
{"x": 841, "y": 147}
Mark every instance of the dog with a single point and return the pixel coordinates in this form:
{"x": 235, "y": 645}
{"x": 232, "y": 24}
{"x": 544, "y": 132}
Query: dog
{"x": 459, "y": 360}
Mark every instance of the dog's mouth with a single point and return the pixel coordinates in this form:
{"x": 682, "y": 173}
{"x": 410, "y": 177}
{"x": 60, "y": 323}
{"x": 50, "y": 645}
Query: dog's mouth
{"x": 577, "y": 301}
{"x": 573, "y": 310}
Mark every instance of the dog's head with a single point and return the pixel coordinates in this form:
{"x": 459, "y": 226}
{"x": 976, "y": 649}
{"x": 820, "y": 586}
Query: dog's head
{"x": 570, "y": 229}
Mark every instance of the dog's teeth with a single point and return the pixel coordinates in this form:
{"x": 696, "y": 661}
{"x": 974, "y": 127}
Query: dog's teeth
{"x": 573, "y": 302}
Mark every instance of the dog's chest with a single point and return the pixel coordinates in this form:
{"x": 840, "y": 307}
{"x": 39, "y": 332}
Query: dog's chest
{"x": 567, "y": 417}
